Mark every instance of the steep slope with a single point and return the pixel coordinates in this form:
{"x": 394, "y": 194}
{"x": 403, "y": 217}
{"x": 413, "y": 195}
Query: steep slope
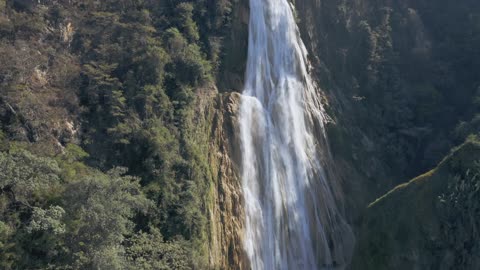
{"x": 430, "y": 222}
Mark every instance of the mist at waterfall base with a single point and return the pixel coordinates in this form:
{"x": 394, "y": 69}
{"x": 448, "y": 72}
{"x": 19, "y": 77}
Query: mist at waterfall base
{"x": 292, "y": 221}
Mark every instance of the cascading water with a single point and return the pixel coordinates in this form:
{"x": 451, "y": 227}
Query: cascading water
{"x": 291, "y": 218}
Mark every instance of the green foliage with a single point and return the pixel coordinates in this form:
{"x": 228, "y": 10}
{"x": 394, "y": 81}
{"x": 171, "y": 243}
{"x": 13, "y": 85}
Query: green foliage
{"x": 47, "y": 220}
{"x": 414, "y": 79}
{"x": 26, "y": 23}
{"x": 102, "y": 85}
{"x": 140, "y": 74}
{"x": 77, "y": 223}
{"x": 435, "y": 215}
{"x": 99, "y": 212}
{"x": 74, "y": 153}
{"x": 71, "y": 162}
{"x": 4, "y": 143}
{"x": 185, "y": 21}
{"x": 25, "y": 177}
{"x": 28, "y": 183}
{"x": 188, "y": 64}
{"x": 7, "y": 251}
{"x": 460, "y": 206}
{"x": 149, "y": 251}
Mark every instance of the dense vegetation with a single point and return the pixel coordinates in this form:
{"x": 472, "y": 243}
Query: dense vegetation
{"x": 101, "y": 160}
{"x": 430, "y": 222}
{"x": 403, "y": 88}
{"x": 99, "y": 164}
{"x": 405, "y": 74}
{"x": 421, "y": 80}
{"x": 402, "y": 84}
{"x": 460, "y": 206}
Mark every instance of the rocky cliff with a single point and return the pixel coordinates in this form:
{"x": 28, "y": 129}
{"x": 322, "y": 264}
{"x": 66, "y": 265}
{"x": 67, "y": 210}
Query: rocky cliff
{"x": 225, "y": 203}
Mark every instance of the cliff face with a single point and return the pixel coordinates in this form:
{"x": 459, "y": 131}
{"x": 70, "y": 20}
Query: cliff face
{"x": 225, "y": 203}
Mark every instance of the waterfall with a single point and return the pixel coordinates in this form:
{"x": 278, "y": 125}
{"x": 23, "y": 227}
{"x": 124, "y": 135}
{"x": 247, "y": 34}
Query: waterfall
{"x": 292, "y": 221}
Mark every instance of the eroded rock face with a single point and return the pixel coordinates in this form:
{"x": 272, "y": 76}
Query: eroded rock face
{"x": 226, "y": 212}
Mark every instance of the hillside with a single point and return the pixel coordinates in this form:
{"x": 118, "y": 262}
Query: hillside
{"x": 428, "y": 223}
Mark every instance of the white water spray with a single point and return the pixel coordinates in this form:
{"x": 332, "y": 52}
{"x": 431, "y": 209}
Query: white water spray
{"x": 292, "y": 221}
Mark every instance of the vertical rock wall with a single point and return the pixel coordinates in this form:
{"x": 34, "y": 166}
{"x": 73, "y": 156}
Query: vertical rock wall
{"x": 218, "y": 117}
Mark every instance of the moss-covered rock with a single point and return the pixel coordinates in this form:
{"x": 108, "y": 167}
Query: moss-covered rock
{"x": 218, "y": 121}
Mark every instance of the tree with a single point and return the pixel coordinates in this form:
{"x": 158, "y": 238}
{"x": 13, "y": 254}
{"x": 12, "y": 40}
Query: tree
{"x": 24, "y": 178}
{"x": 27, "y": 184}
{"x": 149, "y": 251}
{"x": 99, "y": 210}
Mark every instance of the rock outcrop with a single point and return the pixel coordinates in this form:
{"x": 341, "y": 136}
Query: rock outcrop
{"x": 218, "y": 114}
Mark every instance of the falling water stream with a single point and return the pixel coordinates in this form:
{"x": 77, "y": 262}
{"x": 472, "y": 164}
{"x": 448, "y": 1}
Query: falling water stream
{"x": 292, "y": 221}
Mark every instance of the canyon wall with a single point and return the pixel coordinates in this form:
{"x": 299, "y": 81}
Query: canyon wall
{"x": 225, "y": 204}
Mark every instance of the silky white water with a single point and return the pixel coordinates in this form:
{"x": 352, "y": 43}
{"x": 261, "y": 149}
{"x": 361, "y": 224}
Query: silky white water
{"x": 292, "y": 221}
